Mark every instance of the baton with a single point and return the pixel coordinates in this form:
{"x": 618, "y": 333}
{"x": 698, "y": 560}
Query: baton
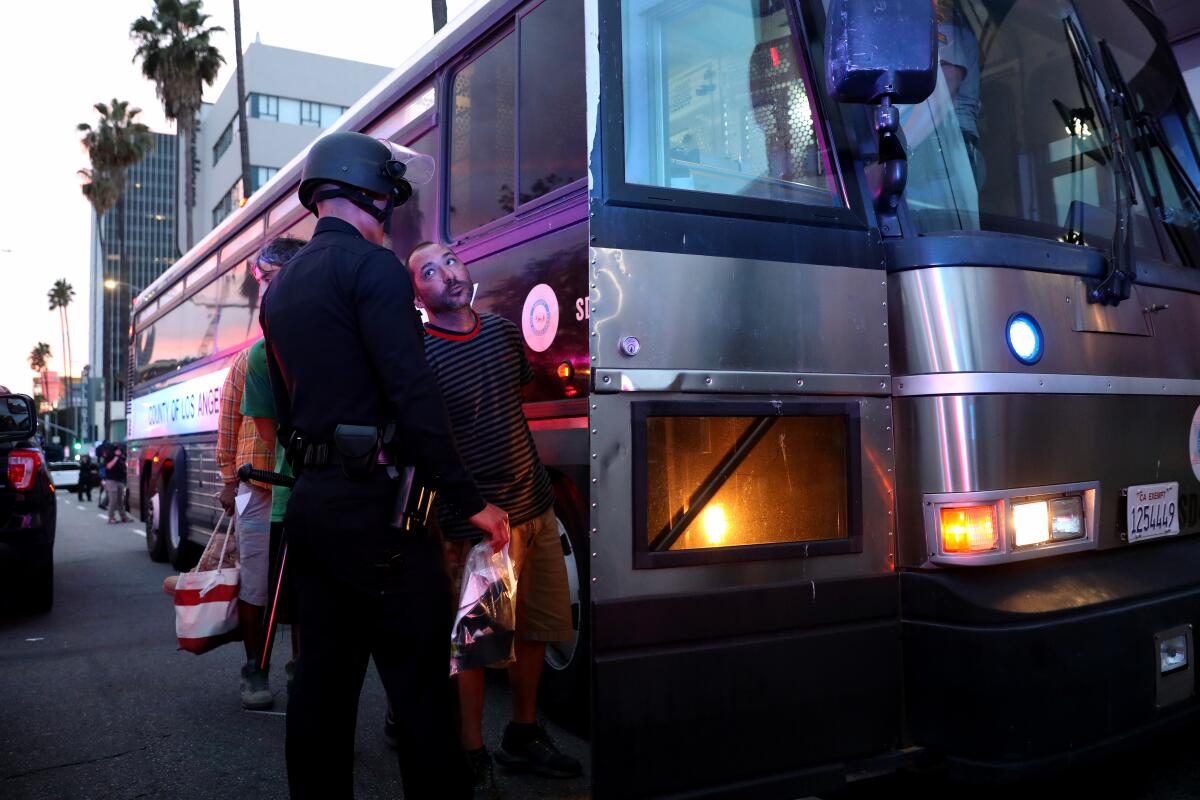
{"x": 248, "y": 473}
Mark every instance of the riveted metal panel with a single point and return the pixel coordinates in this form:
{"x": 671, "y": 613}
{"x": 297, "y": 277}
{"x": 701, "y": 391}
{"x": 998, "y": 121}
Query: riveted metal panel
{"x": 954, "y": 319}
{"x": 691, "y": 312}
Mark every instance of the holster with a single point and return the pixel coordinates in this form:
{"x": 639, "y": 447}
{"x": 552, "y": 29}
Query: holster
{"x": 358, "y": 449}
{"x": 414, "y": 501}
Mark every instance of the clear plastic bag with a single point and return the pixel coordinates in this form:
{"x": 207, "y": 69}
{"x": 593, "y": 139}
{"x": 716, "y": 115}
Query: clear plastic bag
{"x": 484, "y": 625}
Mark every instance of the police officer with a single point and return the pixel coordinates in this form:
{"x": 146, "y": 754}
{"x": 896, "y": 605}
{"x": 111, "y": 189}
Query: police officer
{"x": 344, "y": 347}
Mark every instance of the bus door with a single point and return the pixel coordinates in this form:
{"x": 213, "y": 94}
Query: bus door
{"x": 743, "y": 599}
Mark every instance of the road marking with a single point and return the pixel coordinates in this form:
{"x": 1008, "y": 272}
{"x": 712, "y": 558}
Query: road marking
{"x": 268, "y": 713}
{"x": 140, "y": 532}
{"x": 81, "y": 508}
{"x": 37, "y": 639}
{"x": 102, "y": 516}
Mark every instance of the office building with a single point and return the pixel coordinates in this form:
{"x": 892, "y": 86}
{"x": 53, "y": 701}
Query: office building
{"x": 147, "y": 207}
{"x": 291, "y": 96}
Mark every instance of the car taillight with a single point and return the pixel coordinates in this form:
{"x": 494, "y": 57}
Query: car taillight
{"x": 23, "y": 466}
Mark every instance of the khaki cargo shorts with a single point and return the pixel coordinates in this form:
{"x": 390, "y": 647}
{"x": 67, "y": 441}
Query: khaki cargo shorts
{"x": 543, "y": 596}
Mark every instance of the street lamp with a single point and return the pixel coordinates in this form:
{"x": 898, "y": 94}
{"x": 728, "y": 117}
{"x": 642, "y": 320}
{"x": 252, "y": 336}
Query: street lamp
{"x": 113, "y": 283}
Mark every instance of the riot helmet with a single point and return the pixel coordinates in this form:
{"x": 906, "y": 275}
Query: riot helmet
{"x": 361, "y": 169}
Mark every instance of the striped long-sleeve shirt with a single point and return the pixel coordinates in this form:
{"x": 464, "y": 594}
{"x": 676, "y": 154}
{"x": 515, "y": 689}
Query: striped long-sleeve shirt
{"x": 481, "y": 373}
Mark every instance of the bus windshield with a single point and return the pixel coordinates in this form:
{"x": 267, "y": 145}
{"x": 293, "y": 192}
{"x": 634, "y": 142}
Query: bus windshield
{"x": 1165, "y": 129}
{"x": 1016, "y": 137}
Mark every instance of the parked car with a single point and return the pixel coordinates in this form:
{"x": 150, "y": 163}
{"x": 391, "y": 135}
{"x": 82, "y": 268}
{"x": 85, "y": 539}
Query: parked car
{"x": 65, "y": 474}
{"x": 28, "y": 511}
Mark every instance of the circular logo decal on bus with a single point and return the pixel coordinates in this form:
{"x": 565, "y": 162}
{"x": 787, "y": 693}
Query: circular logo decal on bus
{"x": 1194, "y": 444}
{"x": 539, "y": 318}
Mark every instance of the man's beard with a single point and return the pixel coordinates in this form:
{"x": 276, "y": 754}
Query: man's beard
{"x": 450, "y": 300}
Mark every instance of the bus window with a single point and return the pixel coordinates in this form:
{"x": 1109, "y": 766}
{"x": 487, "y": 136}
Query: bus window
{"x": 713, "y": 482}
{"x": 1012, "y": 138}
{"x": 553, "y": 108}
{"x": 184, "y": 334}
{"x": 237, "y": 306}
{"x": 482, "y": 156}
{"x": 302, "y": 230}
{"x": 415, "y": 221}
{"x": 717, "y": 100}
{"x": 1168, "y": 129}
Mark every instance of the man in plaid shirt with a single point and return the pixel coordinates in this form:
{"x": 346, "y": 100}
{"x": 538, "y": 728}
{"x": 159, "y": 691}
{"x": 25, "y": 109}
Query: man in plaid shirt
{"x": 238, "y": 443}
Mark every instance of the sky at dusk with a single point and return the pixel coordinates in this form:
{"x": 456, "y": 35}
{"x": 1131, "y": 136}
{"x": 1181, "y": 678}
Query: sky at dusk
{"x": 53, "y": 74}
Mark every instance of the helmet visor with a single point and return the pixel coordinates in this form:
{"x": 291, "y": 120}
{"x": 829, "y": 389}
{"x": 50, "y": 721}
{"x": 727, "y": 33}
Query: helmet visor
{"x": 418, "y": 168}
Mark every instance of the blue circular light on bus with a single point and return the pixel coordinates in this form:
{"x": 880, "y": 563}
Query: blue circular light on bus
{"x": 1025, "y": 338}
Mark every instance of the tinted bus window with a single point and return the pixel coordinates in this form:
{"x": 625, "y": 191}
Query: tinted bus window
{"x": 553, "y": 103}
{"x": 716, "y": 100}
{"x": 221, "y": 315}
{"x": 482, "y": 154}
{"x": 415, "y": 221}
{"x": 237, "y": 309}
{"x": 1013, "y": 137}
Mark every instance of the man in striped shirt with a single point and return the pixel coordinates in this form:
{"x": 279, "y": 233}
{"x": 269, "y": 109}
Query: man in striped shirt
{"x": 481, "y": 368}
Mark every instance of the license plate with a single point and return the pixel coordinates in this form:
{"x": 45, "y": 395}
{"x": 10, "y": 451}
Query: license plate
{"x": 1153, "y": 510}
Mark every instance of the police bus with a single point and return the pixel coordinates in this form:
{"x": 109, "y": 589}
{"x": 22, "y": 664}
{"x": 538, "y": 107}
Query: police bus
{"x": 870, "y": 390}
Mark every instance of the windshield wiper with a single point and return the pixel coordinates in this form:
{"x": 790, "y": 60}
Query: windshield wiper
{"x": 1148, "y": 128}
{"x": 1120, "y": 272}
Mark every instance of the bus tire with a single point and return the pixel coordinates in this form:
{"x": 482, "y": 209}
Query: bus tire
{"x": 566, "y": 678}
{"x": 173, "y": 526}
{"x": 156, "y": 543}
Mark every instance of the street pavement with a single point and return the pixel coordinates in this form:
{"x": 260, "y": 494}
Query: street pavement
{"x": 96, "y": 701}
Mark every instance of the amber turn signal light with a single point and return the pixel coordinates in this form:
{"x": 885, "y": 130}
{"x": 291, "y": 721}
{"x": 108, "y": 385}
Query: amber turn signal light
{"x": 969, "y": 529}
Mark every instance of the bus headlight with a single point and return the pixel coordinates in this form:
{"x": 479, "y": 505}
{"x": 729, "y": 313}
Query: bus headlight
{"x": 1066, "y": 519}
{"x": 1031, "y": 523}
{"x": 1000, "y": 525}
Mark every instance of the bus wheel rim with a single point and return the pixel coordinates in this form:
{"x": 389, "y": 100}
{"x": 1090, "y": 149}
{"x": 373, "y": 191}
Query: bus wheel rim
{"x": 559, "y": 655}
{"x": 174, "y": 531}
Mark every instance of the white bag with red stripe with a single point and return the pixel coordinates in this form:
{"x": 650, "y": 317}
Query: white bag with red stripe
{"x": 206, "y": 611}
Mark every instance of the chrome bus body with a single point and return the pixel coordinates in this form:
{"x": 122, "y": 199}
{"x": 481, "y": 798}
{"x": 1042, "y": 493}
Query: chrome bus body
{"x": 708, "y": 320}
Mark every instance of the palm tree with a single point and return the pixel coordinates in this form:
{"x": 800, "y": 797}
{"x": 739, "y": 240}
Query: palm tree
{"x": 116, "y": 143}
{"x": 60, "y": 296}
{"x": 439, "y": 15}
{"x": 37, "y": 362}
{"x": 243, "y": 131}
{"x": 178, "y": 57}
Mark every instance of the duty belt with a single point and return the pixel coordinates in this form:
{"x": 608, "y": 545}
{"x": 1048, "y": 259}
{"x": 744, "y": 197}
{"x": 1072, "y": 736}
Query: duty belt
{"x": 324, "y": 454}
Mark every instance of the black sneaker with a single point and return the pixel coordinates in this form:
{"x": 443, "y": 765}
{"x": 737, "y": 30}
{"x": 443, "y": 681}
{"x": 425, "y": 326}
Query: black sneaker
{"x": 528, "y": 748}
{"x": 485, "y": 779}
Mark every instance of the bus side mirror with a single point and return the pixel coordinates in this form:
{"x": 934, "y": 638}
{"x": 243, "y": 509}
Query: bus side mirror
{"x": 877, "y": 49}
{"x": 18, "y": 417}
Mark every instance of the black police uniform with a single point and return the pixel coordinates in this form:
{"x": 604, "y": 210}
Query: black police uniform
{"x": 344, "y": 345}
